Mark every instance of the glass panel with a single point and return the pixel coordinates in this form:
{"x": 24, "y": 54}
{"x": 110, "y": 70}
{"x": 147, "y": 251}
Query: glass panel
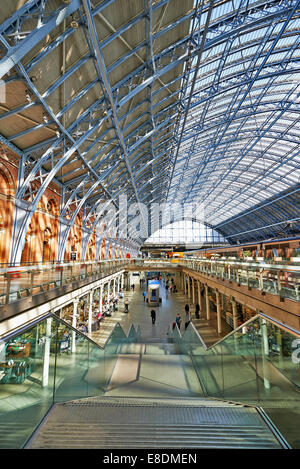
{"x": 45, "y": 364}
{"x": 24, "y": 282}
{"x": 257, "y": 364}
{"x": 27, "y": 371}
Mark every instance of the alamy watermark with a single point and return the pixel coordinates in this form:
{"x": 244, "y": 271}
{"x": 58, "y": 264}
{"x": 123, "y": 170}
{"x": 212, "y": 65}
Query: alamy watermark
{"x": 140, "y": 221}
{"x": 296, "y": 352}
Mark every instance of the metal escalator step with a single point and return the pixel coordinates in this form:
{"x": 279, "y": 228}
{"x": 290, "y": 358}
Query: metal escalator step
{"x": 117, "y": 424}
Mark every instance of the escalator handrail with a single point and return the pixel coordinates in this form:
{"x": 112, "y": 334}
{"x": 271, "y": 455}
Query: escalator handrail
{"x": 24, "y": 328}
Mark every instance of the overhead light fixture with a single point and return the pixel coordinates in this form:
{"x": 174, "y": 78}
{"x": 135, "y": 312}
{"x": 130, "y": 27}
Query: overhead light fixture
{"x": 45, "y": 118}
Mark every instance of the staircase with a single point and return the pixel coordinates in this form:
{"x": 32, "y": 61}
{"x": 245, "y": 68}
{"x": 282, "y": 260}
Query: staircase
{"x": 126, "y": 423}
{"x": 149, "y": 346}
{"x": 153, "y": 400}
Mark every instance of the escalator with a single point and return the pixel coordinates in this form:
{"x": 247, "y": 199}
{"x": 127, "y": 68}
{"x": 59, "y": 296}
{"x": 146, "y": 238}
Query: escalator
{"x": 133, "y": 393}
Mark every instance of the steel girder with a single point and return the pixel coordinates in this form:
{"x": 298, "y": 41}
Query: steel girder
{"x": 210, "y": 146}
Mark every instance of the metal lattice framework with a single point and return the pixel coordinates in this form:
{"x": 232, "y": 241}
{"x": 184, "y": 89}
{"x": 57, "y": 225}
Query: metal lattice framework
{"x": 159, "y": 100}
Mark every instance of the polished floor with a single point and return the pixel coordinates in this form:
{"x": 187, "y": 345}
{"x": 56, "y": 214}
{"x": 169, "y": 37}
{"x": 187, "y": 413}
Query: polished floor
{"x": 172, "y": 303}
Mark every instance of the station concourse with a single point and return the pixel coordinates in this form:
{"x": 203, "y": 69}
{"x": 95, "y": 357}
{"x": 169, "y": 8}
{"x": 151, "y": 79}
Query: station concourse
{"x": 149, "y": 161}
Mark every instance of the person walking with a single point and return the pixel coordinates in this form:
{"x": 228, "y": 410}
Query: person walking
{"x": 153, "y": 316}
{"x": 178, "y": 320}
{"x": 188, "y": 319}
{"x": 144, "y": 294}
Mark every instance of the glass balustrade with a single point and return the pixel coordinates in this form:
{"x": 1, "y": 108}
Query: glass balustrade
{"x": 18, "y": 283}
{"x": 257, "y": 364}
{"x": 279, "y": 280}
{"x": 48, "y": 363}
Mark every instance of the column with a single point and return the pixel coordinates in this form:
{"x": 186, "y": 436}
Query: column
{"x": 207, "y": 302}
{"x": 46, "y": 356}
{"x": 265, "y": 353}
{"x": 199, "y": 294}
{"x": 118, "y": 284}
{"x": 73, "y": 333}
{"x": 122, "y": 282}
{"x": 90, "y": 311}
{"x": 261, "y": 279}
{"x": 278, "y": 282}
{"x": 101, "y": 298}
{"x": 108, "y": 291}
{"x": 219, "y": 315}
{"x": 189, "y": 287}
{"x": 114, "y": 287}
{"x": 185, "y": 286}
{"x": 234, "y": 314}
{"x": 193, "y": 290}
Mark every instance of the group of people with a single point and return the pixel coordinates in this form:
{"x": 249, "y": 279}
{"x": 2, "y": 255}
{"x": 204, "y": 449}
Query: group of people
{"x": 171, "y": 287}
{"x": 188, "y": 317}
{"x": 107, "y": 309}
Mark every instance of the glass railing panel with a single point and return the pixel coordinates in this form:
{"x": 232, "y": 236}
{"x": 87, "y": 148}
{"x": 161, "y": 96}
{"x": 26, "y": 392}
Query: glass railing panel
{"x": 258, "y": 364}
{"x": 47, "y": 363}
{"x": 27, "y": 371}
{"x": 18, "y": 284}
{"x": 79, "y": 365}
{"x": 132, "y": 334}
{"x": 176, "y": 335}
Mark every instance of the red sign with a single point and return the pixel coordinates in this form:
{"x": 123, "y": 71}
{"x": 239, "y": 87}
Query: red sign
{"x": 128, "y": 256}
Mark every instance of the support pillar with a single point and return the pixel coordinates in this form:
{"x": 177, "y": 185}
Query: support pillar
{"x": 108, "y": 291}
{"x": 189, "y": 288}
{"x": 265, "y": 353}
{"x": 46, "y": 356}
{"x": 73, "y": 333}
{"x": 90, "y": 311}
{"x": 219, "y": 313}
{"x": 101, "y": 298}
{"x": 199, "y": 294}
{"x": 261, "y": 279}
{"x": 207, "y": 302}
{"x": 234, "y": 314}
{"x": 193, "y": 290}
